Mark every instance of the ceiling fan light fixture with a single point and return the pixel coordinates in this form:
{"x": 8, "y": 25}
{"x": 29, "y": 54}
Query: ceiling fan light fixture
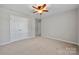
{"x": 40, "y": 8}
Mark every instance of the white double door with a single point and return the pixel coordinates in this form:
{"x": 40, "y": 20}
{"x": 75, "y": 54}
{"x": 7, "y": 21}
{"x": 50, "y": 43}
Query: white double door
{"x": 18, "y": 28}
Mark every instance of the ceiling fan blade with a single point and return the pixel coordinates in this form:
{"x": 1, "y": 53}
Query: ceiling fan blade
{"x": 35, "y": 12}
{"x": 44, "y": 5}
{"x": 34, "y": 7}
{"x": 45, "y": 10}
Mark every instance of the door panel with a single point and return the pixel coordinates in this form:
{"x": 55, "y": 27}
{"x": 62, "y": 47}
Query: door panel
{"x": 18, "y": 27}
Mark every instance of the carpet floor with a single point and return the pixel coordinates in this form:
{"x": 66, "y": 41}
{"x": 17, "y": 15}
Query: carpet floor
{"x": 38, "y": 46}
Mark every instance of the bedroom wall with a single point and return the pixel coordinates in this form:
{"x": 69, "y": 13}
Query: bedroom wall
{"x": 61, "y": 26}
{"x": 78, "y": 25}
{"x": 5, "y": 25}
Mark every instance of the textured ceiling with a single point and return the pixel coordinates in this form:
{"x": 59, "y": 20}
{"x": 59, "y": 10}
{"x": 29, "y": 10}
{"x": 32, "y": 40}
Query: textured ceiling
{"x": 52, "y": 8}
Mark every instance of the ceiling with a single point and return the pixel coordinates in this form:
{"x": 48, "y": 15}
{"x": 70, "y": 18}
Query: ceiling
{"x": 52, "y": 8}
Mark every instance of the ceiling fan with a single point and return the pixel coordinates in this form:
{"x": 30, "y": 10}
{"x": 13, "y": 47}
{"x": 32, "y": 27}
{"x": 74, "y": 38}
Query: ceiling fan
{"x": 40, "y": 8}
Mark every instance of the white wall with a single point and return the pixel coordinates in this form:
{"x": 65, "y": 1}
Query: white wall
{"x": 5, "y": 25}
{"x": 62, "y": 26}
{"x": 78, "y": 25}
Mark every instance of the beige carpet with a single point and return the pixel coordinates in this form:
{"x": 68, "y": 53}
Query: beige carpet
{"x": 38, "y": 46}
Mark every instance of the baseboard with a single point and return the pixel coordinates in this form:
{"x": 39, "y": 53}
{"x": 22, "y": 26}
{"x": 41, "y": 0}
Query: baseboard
{"x": 62, "y": 40}
{"x": 5, "y": 43}
{"x": 44, "y": 37}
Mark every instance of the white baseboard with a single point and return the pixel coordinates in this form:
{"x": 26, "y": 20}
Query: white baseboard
{"x": 44, "y": 37}
{"x": 5, "y": 43}
{"x": 63, "y": 40}
{"x": 15, "y": 41}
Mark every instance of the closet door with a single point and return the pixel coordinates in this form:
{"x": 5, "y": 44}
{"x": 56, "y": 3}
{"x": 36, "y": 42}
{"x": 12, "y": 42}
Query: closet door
{"x": 12, "y": 28}
{"x": 18, "y": 28}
